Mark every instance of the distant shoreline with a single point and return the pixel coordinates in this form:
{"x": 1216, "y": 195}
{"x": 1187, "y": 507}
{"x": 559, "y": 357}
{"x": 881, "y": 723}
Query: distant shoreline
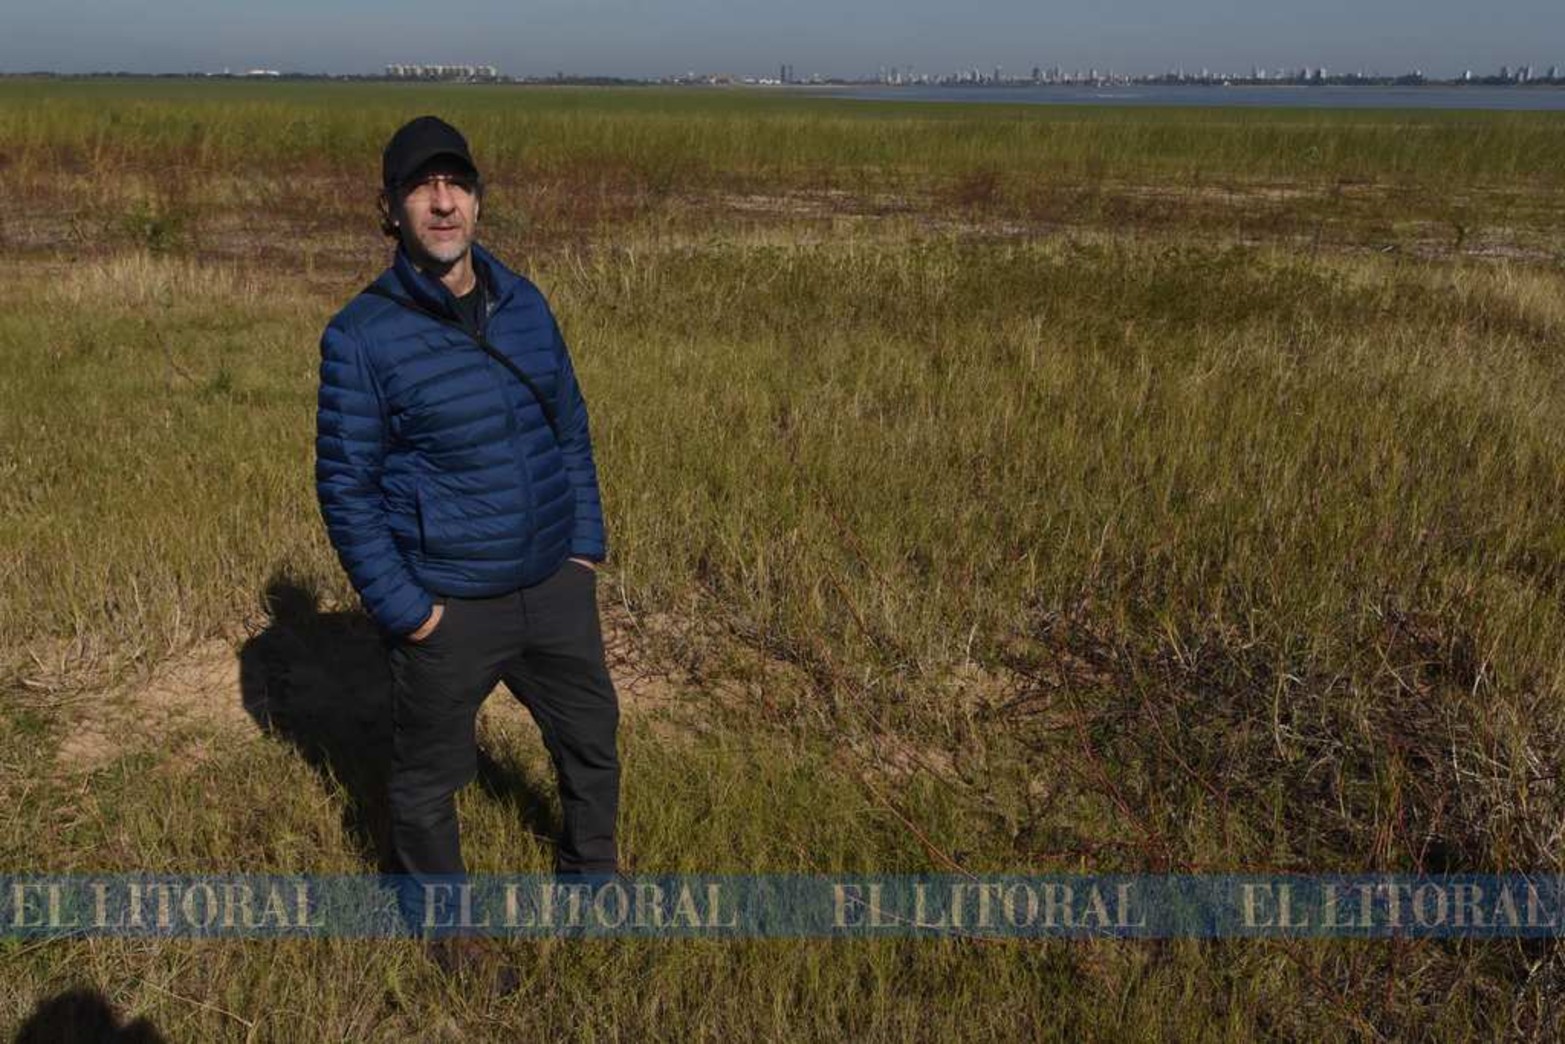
{"x": 1379, "y": 84}
{"x": 1543, "y": 97}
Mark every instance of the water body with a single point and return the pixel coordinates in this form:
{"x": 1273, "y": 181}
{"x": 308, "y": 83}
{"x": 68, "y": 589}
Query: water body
{"x": 1513, "y": 99}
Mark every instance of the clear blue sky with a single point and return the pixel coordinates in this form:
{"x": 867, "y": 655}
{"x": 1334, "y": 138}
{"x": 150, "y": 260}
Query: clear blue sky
{"x": 835, "y": 37}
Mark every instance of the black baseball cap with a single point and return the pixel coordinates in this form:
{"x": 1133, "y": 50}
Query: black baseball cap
{"x": 417, "y": 142}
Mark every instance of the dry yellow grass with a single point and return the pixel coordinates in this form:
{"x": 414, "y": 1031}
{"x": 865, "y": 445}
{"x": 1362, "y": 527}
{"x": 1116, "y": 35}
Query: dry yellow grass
{"x": 1137, "y": 509}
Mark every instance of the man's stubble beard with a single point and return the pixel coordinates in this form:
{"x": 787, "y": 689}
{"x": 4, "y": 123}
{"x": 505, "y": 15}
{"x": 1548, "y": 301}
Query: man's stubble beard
{"x": 446, "y": 254}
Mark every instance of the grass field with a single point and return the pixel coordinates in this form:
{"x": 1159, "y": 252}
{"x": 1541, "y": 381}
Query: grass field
{"x": 1003, "y": 489}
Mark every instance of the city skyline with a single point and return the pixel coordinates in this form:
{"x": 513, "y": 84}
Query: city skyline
{"x": 787, "y": 73}
{"x": 624, "y": 38}
{"x": 1038, "y": 75}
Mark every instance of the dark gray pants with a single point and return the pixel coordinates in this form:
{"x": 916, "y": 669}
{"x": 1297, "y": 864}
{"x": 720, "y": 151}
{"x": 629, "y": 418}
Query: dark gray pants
{"x": 546, "y": 644}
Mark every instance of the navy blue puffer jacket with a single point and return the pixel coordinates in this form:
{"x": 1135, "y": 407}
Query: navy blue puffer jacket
{"x": 437, "y": 469}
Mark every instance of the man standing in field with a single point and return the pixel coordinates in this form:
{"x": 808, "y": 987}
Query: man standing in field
{"x": 456, "y": 479}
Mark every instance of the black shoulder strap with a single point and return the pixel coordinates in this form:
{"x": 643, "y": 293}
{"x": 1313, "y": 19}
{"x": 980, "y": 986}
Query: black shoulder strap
{"x": 482, "y": 341}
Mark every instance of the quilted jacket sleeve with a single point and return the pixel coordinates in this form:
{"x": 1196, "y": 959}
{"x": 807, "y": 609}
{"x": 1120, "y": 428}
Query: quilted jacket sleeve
{"x": 350, "y": 425}
{"x": 587, "y": 535}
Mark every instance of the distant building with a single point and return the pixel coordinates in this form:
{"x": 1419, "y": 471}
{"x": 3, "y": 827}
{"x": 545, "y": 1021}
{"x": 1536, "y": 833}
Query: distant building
{"x": 460, "y": 73}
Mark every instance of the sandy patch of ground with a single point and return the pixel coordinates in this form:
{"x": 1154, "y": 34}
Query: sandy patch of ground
{"x": 236, "y": 688}
{"x": 197, "y": 691}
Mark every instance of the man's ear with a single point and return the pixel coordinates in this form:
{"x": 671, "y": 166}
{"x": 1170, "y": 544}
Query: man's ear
{"x": 389, "y": 221}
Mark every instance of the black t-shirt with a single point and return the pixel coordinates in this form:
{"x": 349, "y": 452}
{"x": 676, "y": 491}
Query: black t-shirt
{"x": 470, "y": 307}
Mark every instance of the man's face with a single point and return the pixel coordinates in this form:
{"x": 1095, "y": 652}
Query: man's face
{"x": 438, "y": 212}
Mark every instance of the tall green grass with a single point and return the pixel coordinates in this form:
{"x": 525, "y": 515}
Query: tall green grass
{"x": 150, "y": 164}
{"x": 99, "y": 127}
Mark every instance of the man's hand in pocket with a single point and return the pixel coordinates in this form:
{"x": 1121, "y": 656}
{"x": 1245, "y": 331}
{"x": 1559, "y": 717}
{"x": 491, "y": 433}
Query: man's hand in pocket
{"x": 427, "y": 628}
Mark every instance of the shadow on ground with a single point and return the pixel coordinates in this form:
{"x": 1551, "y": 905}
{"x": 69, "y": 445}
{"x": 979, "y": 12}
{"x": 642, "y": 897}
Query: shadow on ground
{"x": 83, "y": 1016}
{"x": 319, "y": 680}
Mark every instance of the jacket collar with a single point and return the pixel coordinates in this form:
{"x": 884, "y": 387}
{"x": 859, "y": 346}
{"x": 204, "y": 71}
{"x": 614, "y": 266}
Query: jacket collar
{"x": 404, "y": 277}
